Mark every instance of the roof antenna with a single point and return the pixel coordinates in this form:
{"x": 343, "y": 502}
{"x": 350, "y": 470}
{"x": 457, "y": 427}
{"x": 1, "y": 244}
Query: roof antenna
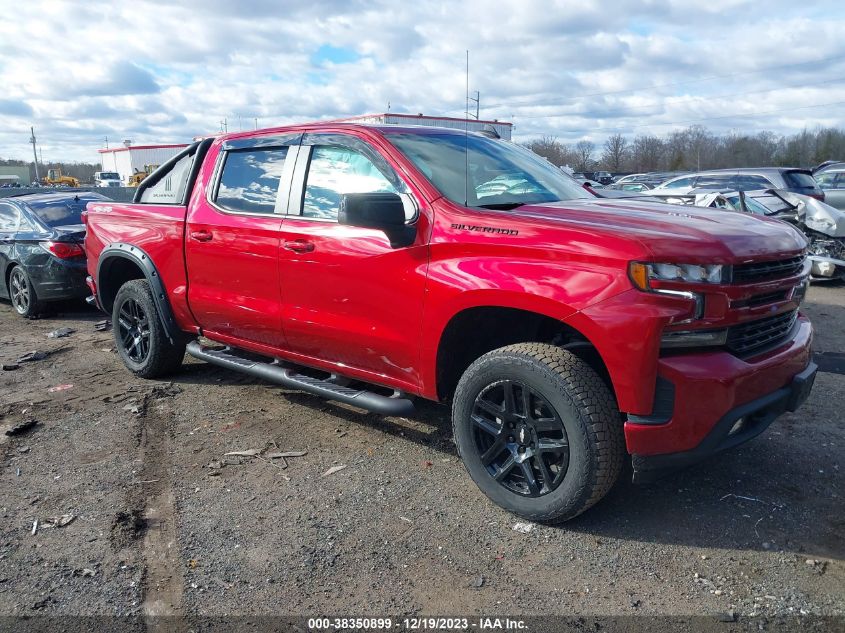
{"x": 466, "y": 140}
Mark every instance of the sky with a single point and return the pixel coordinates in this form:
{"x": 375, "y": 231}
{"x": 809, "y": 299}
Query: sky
{"x": 165, "y": 72}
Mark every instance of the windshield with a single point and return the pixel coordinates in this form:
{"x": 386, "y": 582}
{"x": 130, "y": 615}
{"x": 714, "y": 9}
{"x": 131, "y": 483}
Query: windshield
{"x": 493, "y": 174}
{"x": 109, "y": 175}
{"x": 63, "y": 212}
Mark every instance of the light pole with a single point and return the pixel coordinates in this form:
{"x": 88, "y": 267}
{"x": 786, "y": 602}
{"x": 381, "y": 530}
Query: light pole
{"x": 34, "y": 153}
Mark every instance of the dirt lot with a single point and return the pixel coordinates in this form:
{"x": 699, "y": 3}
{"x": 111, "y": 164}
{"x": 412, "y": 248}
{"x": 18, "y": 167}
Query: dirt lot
{"x": 164, "y": 524}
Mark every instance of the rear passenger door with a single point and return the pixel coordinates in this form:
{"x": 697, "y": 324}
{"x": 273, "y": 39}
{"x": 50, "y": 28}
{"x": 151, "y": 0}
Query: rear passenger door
{"x": 232, "y": 240}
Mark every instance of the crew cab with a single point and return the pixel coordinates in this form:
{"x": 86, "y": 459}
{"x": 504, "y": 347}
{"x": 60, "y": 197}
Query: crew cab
{"x": 377, "y": 264}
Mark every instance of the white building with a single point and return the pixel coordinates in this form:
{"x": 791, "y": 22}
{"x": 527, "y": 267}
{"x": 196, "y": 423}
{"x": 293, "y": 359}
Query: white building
{"x": 502, "y": 128}
{"x": 129, "y": 160}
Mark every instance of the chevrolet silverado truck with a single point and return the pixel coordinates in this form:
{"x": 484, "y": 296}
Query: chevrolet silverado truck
{"x": 375, "y": 264}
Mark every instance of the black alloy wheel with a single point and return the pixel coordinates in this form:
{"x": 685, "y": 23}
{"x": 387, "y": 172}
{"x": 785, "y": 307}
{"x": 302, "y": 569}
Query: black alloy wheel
{"x": 538, "y": 430}
{"x": 520, "y": 438}
{"x": 141, "y": 340}
{"x": 134, "y": 330}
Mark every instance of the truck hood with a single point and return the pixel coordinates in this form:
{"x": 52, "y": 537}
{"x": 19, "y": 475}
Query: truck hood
{"x": 676, "y": 233}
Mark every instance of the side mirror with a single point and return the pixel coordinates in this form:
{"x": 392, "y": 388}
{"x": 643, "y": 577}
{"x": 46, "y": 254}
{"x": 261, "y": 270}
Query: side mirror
{"x": 382, "y": 211}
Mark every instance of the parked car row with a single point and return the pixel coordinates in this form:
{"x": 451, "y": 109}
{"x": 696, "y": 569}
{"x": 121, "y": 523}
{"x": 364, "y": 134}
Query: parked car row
{"x": 825, "y": 182}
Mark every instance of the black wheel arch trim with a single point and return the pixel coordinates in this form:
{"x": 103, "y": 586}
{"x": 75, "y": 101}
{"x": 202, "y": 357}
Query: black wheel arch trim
{"x": 136, "y": 255}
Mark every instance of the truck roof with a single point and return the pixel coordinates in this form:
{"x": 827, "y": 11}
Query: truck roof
{"x": 384, "y": 128}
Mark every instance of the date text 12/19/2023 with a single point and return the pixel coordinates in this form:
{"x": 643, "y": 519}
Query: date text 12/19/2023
{"x": 416, "y": 624}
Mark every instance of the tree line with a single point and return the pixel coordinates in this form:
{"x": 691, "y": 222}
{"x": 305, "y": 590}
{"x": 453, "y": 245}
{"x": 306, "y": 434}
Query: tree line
{"x": 694, "y": 149}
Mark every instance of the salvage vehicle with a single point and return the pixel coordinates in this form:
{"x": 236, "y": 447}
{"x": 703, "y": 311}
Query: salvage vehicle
{"x": 41, "y": 253}
{"x": 746, "y": 179}
{"x": 362, "y": 264}
{"x": 822, "y": 224}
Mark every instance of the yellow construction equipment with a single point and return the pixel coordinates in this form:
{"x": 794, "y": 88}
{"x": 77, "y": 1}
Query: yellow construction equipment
{"x": 56, "y": 178}
{"x": 136, "y": 178}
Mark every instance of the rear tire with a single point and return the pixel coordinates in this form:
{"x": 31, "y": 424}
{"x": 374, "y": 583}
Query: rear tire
{"x": 22, "y": 293}
{"x": 139, "y": 335}
{"x": 538, "y": 430}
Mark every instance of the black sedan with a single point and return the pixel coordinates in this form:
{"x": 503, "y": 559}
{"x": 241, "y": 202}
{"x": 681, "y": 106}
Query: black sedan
{"x": 41, "y": 249}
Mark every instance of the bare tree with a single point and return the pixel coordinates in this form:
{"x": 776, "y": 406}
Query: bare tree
{"x": 584, "y": 155}
{"x": 647, "y": 152}
{"x": 615, "y": 150}
{"x": 550, "y": 148}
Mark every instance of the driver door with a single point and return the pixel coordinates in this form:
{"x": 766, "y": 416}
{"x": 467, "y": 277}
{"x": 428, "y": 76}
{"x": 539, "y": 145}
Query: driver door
{"x": 348, "y": 296}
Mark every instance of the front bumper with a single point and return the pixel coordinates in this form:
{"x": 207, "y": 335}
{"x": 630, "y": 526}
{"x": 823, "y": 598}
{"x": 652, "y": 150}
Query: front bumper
{"x": 738, "y": 425}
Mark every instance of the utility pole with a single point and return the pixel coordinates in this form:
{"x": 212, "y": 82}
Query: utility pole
{"x": 34, "y": 153}
{"x": 256, "y": 123}
{"x": 477, "y": 99}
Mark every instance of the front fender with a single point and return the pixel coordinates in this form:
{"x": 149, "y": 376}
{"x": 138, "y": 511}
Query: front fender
{"x": 553, "y": 289}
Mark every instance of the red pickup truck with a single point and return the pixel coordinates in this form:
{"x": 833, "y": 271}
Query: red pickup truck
{"x": 372, "y": 265}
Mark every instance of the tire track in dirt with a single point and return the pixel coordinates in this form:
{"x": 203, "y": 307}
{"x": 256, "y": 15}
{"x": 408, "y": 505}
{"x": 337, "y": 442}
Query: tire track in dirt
{"x": 152, "y": 520}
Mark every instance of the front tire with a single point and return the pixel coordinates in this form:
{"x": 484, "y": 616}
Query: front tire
{"x": 139, "y": 335}
{"x": 538, "y": 430}
{"x": 22, "y": 293}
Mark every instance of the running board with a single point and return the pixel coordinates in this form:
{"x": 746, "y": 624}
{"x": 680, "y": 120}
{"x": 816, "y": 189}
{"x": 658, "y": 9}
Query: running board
{"x": 287, "y": 377}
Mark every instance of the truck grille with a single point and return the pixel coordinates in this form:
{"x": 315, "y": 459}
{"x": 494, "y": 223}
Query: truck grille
{"x": 764, "y": 271}
{"x": 755, "y": 336}
{"x": 763, "y": 299}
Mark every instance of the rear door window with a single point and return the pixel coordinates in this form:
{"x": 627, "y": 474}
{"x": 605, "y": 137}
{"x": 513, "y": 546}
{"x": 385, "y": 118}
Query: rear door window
{"x": 749, "y": 183}
{"x": 719, "y": 181}
{"x": 249, "y": 182}
{"x": 681, "y": 183}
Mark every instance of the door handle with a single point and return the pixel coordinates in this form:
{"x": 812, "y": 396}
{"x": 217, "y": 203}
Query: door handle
{"x": 299, "y": 246}
{"x": 202, "y": 236}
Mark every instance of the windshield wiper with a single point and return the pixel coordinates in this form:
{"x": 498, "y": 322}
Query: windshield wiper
{"x": 502, "y": 206}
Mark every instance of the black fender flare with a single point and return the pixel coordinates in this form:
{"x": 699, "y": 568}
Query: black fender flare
{"x": 136, "y": 255}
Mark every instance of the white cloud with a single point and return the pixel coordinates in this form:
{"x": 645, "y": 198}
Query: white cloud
{"x": 158, "y": 72}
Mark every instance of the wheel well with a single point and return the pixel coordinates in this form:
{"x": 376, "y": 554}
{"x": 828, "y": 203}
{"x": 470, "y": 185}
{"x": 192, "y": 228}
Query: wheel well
{"x": 476, "y": 331}
{"x": 114, "y": 272}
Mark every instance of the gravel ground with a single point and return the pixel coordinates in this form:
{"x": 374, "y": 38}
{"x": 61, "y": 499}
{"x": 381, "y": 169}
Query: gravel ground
{"x": 163, "y": 523}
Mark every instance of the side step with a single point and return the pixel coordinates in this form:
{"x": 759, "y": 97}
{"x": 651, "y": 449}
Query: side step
{"x": 277, "y": 373}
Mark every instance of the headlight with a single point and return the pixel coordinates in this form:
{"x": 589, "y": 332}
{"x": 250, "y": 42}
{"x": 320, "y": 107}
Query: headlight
{"x": 693, "y": 338}
{"x": 641, "y": 274}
